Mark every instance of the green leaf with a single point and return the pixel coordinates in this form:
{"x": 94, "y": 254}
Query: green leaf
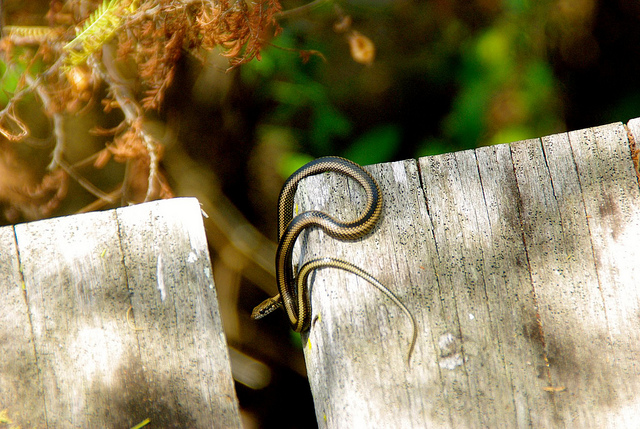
{"x": 512, "y": 134}
{"x": 375, "y": 146}
{"x": 328, "y": 123}
{"x": 433, "y": 146}
{"x": 9, "y": 81}
{"x": 291, "y": 162}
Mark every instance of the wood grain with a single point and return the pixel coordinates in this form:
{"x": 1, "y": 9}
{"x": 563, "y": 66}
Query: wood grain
{"x": 120, "y": 319}
{"x": 518, "y": 264}
{"x": 21, "y": 396}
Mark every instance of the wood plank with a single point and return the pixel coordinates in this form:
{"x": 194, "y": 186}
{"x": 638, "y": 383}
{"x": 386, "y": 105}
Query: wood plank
{"x": 21, "y": 399}
{"x": 181, "y": 341}
{"x": 77, "y": 305}
{"x": 505, "y": 258}
{"x": 562, "y": 271}
{"x": 507, "y": 281}
{"x": 472, "y": 196}
{"x": 612, "y": 201}
{"x": 565, "y": 183}
{"x": 120, "y": 333}
{"x": 451, "y": 191}
{"x": 357, "y": 347}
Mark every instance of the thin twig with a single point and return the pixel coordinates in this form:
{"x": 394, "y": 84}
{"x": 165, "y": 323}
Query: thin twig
{"x": 131, "y": 109}
{"x": 86, "y": 161}
{"x": 58, "y": 120}
{"x": 299, "y": 10}
{"x": 58, "y": 132}
{"x": 58, "y": 151}
{"x": 100, "y": 202}
{"x": 304, "y": 53}
{"x": 90, "y": 187}
{"x": 153, "y": 165}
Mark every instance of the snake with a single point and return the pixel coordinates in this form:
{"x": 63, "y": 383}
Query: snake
{"x": 292, "y": 289}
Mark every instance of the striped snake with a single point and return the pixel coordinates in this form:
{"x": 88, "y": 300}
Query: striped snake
{"x": 293, "y": 294}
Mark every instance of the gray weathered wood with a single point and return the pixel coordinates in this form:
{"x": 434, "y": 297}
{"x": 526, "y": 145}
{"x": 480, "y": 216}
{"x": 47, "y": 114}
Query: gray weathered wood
{"x": 519, "y": 263}
{"x": 118, "y": 322}
{"x": 20, "y": 389}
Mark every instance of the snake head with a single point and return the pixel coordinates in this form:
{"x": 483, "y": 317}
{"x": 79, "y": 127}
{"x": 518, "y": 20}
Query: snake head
{"x": 266, "y": 307}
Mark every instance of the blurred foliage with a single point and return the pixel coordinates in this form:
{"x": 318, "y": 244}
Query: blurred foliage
{"x": 59, "y": 59}
{"x": 448, "y": 75}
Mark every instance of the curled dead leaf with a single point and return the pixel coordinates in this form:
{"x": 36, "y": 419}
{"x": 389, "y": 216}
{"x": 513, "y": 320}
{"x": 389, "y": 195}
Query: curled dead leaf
{"x": 363, "y": 50}
{"x": 343, "y": 25}
{"x": 80, "y": 78}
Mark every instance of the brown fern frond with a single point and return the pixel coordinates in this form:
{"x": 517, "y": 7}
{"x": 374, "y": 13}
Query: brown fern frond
{"x": 240, "y": 29}
{"x": 128, "y": 145}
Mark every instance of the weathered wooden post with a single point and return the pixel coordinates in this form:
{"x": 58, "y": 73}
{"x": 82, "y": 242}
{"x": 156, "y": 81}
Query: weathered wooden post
{"x": 520, "y": 263}
{"x": 110, "y": 319}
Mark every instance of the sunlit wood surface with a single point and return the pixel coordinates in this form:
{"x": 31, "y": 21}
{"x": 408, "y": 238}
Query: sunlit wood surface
{"x": 520, "y": 263}
{"x": 110, "y": 319}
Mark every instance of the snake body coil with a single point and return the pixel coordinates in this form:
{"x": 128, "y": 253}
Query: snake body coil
{"x": 293, "y": 291}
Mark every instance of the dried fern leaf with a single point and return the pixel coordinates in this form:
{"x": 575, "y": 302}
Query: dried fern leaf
{"x": 27, "y": 31}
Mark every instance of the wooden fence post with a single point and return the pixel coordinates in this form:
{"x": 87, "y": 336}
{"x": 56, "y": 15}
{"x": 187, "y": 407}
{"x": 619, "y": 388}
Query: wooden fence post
{"x": 521, "y": 266}
{"x": 110, "y": 319}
